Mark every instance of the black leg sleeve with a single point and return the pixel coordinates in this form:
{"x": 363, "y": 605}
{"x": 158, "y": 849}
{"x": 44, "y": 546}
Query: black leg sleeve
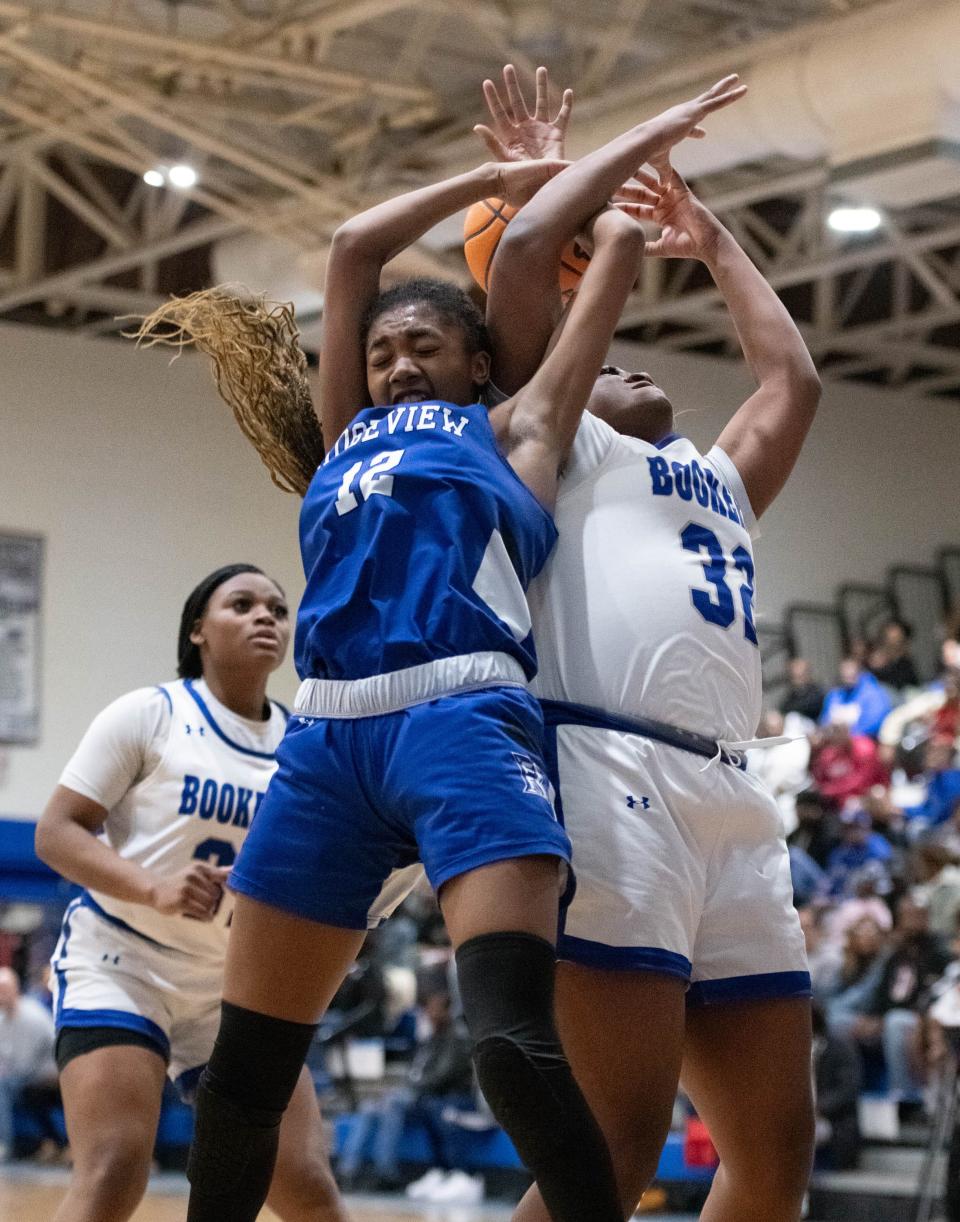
{"x": 506, "y": 984}
{"x": 241, "y": 1099}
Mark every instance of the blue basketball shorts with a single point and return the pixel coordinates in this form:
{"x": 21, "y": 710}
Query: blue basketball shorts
{"x": 456, "y": 783}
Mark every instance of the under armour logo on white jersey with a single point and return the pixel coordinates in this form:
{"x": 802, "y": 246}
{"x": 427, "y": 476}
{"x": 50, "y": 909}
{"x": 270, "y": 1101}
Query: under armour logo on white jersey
{"x": 200, "y": 730}
{"x": 633, "y": 802}
{"x": 534, "y": 778}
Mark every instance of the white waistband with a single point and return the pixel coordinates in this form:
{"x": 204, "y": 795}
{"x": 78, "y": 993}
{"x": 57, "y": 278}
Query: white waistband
{"x": 398, "y": 689}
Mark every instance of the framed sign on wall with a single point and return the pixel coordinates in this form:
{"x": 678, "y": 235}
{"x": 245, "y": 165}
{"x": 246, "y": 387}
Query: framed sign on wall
{"x": 21, "y": 588}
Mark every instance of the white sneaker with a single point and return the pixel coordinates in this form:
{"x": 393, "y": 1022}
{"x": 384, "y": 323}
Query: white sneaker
{"x": 458, "y": 1189}
{"x": 420, "y": 1189}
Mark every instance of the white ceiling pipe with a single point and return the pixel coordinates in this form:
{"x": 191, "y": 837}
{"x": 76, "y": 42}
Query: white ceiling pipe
{"x": 859, "y": 93}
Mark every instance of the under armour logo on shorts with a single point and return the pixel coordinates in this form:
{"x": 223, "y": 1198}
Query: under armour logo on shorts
{"x": 534, "y": 778}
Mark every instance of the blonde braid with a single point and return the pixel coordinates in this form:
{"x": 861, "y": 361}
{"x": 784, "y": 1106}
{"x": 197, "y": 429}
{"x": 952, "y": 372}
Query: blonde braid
{"x": 259, "y": 368}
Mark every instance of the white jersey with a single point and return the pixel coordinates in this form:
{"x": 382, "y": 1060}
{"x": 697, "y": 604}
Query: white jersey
{"x": 181, "y": 777}
{"x": 645, "y": 607}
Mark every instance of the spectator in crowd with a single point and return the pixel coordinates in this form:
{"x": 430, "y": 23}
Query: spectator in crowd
{"x": 941, "y": 781}
{"x": 864, "y": 954}
{"x": 937, "y": 874}
{"x": 934, "y": 712}
{"x": 890, "y": 659}
{"x": 836, "y": 1076}
{"x": 892, "y": 1016}
{"x": 440, "y": 1077}
{"x": 846, "y": 765}
{"x": 862, "y": 697}
{"x": 818, "y": 830}
{"x": 360, "y": 1004}
{"x": 824, "y": 954}
{"x": 887, "y": 816}
{"x": 803, "y": 695}
{"x": 867, "y": 888}
{"x": 860, "y": 845}
{"x": 26, "y": 1050}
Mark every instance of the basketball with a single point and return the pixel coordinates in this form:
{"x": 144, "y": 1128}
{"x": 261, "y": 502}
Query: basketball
{"x": 482, "y": 230}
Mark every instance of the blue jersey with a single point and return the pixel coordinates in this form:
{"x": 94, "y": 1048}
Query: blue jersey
{"x": 418, "y": 542}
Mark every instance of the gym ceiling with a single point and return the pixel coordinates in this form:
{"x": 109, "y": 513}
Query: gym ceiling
{"x": 294, "y": 113}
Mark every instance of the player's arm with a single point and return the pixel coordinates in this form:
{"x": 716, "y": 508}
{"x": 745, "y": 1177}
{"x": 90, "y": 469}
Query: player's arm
{"x": 523, "y": 304}
{"x": 109, "y": 760}
{"x": 764, "y": 438}
{"x": 537, "y": 426}
{"x": 362, "y": 245}
{"x": 67, "y": 840}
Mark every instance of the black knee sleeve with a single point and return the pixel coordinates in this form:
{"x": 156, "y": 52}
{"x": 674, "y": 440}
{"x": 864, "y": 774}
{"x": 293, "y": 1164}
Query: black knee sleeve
{"x": 243, "y": 1093}
{"x": 506, "y": 984}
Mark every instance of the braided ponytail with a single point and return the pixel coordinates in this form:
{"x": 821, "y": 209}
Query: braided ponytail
{"x": 259, "y": 368}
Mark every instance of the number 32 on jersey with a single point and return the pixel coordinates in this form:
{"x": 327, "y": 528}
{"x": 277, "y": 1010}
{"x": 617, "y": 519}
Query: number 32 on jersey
{"x": 717, "y": 605}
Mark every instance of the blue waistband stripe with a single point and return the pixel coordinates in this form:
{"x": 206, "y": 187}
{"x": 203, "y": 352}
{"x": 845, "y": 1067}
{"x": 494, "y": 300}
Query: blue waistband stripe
{"x": 622, "y": 958}
{"x": 120, "y": 1019}
{"x": 763, "y": 986}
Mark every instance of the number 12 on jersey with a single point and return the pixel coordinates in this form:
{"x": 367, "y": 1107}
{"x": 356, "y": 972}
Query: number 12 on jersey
{"x": 373, "y": 481}
{"x": 717, "y": 607}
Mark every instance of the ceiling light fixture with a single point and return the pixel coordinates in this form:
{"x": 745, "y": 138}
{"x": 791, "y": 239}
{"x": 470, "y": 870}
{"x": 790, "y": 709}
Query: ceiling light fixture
{"x": 154, "y": 178}
{"x": 854, "y": 220}
{"x": 183, "y": 176}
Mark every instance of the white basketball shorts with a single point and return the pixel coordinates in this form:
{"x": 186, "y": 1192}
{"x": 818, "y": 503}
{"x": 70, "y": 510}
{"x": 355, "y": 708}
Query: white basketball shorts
{"x": 107, "y": 975}
{"x": 681, "y": 865}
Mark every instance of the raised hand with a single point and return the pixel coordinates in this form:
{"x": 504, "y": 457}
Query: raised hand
{"x": 683, "y": 120}
{"x": 519, "y": 181}
{"x": 688, "y": 230}
{"x": 518, "y": 135}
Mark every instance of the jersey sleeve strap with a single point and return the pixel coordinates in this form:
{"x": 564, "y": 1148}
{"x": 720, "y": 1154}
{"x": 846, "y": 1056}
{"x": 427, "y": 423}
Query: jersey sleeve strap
{"x": 122, "y": 745}
{"x": 723, "y": 464}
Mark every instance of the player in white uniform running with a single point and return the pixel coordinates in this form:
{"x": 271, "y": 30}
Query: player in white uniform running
{"x": 148, "y": 817}
{"x": 681, "y": 943}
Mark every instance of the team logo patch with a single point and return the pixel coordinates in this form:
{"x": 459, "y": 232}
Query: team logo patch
{"x": 534, "y": 778}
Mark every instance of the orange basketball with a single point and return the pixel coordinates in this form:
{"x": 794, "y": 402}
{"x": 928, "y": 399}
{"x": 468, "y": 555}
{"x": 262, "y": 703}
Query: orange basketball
{"x": 482, "y": 231}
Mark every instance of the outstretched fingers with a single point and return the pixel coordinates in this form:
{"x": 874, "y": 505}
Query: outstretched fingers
{"x": 725, "y": 91}
{"x": 642, "y": 178}
{"x": 542, "y": 96}
{"x": 563, "y": 114}
{"x": 498, "y": 112}
{"x": 634, "y": 193}
{"x": 497, "y": 148}
{"x": 518, "y": 103}
{"x": 542, "y": 101}
{"x": 639, "y": 212}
